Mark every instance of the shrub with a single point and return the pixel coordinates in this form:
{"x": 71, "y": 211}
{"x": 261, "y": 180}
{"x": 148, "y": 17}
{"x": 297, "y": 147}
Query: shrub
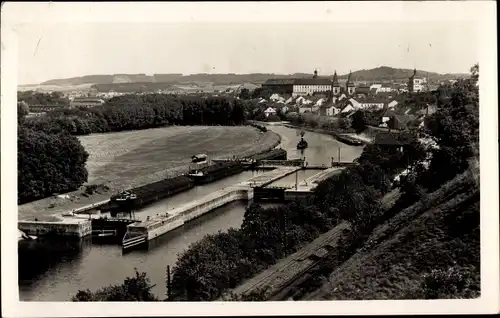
{"x": 136, "y": 288}
{"x": 48, "y": 164}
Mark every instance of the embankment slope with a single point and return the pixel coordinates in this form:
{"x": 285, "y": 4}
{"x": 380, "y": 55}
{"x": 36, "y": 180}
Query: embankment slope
{"x": 440, "y": 232}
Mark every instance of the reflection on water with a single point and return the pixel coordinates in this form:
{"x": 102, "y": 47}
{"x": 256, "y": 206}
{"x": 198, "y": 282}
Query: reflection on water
{"x": 321, "y": 149}
{"x": 56, "y": 271}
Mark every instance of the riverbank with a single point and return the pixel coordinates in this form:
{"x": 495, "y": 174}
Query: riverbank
{"x": 365, "y": 139}
{"x": 361, "y": 137}
{"x": 130, "y": 159}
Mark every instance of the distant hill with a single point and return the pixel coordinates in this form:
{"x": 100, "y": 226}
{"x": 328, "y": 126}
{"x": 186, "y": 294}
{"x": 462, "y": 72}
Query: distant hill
{"x": 88, "y": 79}
{"x": 386, "y": 73}
{"x": 107, "y": 82}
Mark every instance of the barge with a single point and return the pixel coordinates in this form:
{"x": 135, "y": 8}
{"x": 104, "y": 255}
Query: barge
{"x": 275, "y": 154}
{"x": 349, "y": 140}
{"x": 216, "y": 171}
{"x": 138, "y": 197}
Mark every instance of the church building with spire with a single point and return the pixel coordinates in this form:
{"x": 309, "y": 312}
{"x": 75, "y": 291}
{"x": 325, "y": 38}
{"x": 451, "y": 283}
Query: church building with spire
{"x": 350, "y": 88}
{"x": 309, "y": 86}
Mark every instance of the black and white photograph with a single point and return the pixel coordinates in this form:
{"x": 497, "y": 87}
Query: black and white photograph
{"x": 200, "y": 157}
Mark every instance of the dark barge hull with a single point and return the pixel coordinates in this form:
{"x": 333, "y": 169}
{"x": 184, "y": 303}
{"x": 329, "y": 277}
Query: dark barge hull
{"x": 275, "y": 154}
{"x": 151, "y": 193}
{"x": 218, "y": 171}
{"x": 349, "y": 141}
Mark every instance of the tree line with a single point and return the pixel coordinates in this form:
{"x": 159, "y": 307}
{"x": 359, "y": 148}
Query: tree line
{"x": 47, "y": 162}
{"x": 130, "y": 112}
{"x": 38, "y": 98}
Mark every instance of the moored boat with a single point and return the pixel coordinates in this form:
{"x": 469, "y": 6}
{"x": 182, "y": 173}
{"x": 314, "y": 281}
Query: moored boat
{"x": 302, "y": 144}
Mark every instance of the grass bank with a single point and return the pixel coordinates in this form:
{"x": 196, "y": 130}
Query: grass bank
{"x": 134, "y": 158}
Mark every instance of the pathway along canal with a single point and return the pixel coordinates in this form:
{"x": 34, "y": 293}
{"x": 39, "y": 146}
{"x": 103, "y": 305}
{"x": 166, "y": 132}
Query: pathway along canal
{"x": 57, "y": 272}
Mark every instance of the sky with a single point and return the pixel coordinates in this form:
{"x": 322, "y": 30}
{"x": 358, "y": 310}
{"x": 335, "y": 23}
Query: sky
{"x": 70, "y": 49}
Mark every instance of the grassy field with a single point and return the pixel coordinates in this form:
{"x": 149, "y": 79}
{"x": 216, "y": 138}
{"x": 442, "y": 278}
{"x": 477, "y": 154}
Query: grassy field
{"x": 128, "y": 159}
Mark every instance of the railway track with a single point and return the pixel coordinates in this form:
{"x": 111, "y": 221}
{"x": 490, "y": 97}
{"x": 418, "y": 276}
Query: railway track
{"x": 279, "y": 281}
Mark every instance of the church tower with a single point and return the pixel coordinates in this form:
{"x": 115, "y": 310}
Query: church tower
{"x": 349, "y": 86}
{"x": 411, "y": 81}
{"x": 315, "y": 74}
{"x": 335, "y": 85}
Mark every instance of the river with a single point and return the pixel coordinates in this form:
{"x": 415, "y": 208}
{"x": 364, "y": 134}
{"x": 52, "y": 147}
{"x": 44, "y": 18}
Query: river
{"x": 62, "y": 270}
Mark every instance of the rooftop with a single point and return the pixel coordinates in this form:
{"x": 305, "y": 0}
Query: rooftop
{"x": 394, "y": 138}
{"x": 87, "y": 99}
{"x": 312, "y": 81}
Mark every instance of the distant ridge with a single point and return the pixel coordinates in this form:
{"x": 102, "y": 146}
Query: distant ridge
{"x": 383, "y": 73}
{"x": 126, "y": 82}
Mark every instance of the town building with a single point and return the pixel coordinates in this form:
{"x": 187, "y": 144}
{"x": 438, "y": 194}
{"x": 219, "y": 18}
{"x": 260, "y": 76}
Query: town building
{"x": 87, "y": 102}
{"x": 279, "y": 86}
{"x": 350, "y": 88}
{"x": 416, "y": 84}
{"x": 390, "y": 119}
{"x": 45, "y": 108}
{"x": 328, "y": 110}
{"x": 310, "y": 86}
{"x": 392, "y": 139}
{"x": 270, "y": 111}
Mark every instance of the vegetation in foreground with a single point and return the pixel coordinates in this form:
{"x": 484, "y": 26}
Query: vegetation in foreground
{"x": 449, "y": 266}
{"x": 430, "y": 250}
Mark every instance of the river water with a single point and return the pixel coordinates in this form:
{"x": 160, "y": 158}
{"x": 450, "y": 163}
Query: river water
{"x": 63, "y": 269}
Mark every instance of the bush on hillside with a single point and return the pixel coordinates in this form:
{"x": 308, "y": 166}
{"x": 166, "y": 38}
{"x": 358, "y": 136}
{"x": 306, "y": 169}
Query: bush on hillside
{"x": 455, "y": 126}
{"x": 137, "y": 288}
{"x": 455, "y": 282}
{"x": 48, "y": 164}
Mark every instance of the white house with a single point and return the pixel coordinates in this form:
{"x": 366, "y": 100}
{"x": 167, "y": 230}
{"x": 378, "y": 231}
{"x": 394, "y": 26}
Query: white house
{"x": 329, "y": 110}
{"x": 372, "y": 104}
{"x": 392, "y": 104}
{"x": 320, "y": 102}
{"x": 418, "y": 87}
{"x": 384, "y": 88}
{"x": 347, "y": 109}
{"x": 355, "y": 103}
{"x": 302, "y": 101}
{"x": 86, "y": 102}
{"x": 419, "y": 81}
{"x": 342, "y": 97}
{"x": 277, "y": 98}
{"x": 270, "y": 111}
